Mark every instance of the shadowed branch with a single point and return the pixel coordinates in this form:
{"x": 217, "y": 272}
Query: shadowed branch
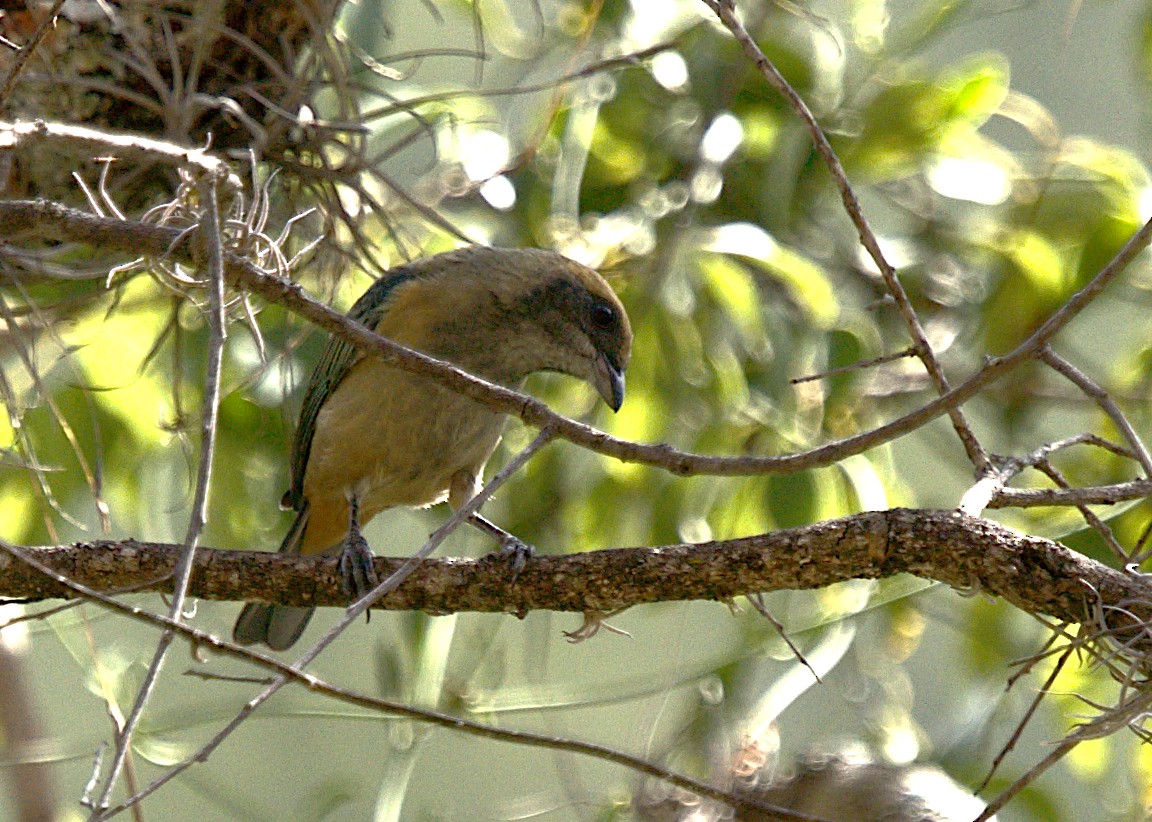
{"x": 1034, "y": 574}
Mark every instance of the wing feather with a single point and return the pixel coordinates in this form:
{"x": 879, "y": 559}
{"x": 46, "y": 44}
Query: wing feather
{"x": 335, "y": 363}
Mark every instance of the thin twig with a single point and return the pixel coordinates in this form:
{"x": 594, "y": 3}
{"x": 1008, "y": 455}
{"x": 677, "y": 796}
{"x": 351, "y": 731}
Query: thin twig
{"x": 211, "y": 234}
{"x": 856, "y": 366}
{"x": 761, "y": 607}
{"x": 1027, "y": 779}
{"x": 1028, "y": 714}
{"x": 725, "y": 10}
{"x": 14, "y": 134}
{"x": 1094, "y": 522}
{"x": 1104, "y": 400}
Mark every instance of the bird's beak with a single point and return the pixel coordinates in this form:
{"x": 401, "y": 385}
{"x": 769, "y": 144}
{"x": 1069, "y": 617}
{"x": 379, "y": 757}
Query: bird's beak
{"x": 610, "y": 382}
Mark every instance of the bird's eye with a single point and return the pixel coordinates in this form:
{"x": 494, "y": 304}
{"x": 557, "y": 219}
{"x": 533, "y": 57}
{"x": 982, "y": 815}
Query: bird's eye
{"x": 603, "y": 317}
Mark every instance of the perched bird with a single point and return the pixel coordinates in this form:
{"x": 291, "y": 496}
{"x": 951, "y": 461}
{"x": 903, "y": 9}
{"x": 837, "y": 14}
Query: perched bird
{"x": 372, "y": 437}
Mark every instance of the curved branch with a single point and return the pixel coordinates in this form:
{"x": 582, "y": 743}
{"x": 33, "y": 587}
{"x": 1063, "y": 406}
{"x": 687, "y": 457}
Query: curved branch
{"x": 16, "y": 133}
{"x": 1034, "y": 574}
{"x": 725, "y": 10}
{"x": 1091, "y": 495}
{"x": 51, "y": 220}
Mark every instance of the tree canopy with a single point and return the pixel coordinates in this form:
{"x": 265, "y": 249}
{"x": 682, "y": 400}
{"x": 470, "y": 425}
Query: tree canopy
{"x": 877, "y": 492}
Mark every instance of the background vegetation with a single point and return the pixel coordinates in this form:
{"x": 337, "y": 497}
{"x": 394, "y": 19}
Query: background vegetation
{"x": 639, "y": 138}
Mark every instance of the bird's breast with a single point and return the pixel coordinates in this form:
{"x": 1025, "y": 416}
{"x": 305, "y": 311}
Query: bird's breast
{"x": 396, "y": 439}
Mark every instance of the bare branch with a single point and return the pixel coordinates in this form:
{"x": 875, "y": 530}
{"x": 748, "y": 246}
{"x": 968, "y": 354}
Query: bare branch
{"x": 1104, "y": 400}
{"x": 992, "y": 483}
{"x": 211, "y": 234}
{"x": 12, "y": 554}
{"x": 725, "y": 10}
{"x": 1096, "y": 495}
{"x": 1034, "y": 574}
{"x": 52, "y": 220}
{"x": 15, "y": 134}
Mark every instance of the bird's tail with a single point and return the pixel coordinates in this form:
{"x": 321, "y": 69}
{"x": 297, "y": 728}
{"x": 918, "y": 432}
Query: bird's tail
{"x": 277, "y": 626}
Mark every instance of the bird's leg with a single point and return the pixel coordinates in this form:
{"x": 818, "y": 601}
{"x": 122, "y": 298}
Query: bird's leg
{"x": 463, "y": 486}
{"x": 510, "y": 545}
{"x": 357, "y": 573}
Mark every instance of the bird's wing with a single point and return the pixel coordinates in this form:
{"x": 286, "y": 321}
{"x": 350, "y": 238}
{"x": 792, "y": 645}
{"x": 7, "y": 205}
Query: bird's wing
{"x": 335, "y": 363}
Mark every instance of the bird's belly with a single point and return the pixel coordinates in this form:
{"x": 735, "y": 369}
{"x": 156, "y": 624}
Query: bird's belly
{"x": 395, "y": 439}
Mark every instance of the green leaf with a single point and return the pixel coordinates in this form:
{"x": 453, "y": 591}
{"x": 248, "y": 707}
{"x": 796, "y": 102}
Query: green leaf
{"x": 805, "y": 281}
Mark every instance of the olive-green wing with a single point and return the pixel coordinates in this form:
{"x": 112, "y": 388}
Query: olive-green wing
{"x": 335, "y": 363}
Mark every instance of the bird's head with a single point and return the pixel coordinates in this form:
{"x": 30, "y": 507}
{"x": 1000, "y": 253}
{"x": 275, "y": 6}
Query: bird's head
{"x": 574, "y": 323}
{"x": 511, "y": 312}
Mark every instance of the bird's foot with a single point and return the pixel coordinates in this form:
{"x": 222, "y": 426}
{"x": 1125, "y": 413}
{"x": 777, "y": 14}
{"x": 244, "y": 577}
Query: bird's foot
{"x": 510, "y": 547}
{"x": 357, "y": 573}
{"x": 517, "y": 552}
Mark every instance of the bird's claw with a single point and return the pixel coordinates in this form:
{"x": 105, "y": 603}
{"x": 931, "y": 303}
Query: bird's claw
{"x": 517, "y": 552}
{"x": 357, "y": 573}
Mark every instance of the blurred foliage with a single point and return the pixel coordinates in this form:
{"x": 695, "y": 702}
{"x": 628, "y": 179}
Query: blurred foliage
{"x": 690, "y": 183}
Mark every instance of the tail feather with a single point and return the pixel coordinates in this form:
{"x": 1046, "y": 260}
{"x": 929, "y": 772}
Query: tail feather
{"x": 277, "y": 626}
{"x": 295, "y": 536}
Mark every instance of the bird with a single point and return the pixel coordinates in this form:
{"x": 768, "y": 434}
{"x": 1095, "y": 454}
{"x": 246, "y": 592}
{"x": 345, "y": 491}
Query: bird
{"x": 372, "y": 437}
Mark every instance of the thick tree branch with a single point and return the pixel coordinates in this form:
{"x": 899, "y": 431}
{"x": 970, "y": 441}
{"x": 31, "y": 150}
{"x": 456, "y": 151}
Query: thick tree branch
{"x": 294, "y": 672}
{"x": 1034, "y": 574}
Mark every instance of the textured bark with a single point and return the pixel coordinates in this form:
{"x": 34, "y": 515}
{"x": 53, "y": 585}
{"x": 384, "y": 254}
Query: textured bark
{"x": 1034, "y": 574}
